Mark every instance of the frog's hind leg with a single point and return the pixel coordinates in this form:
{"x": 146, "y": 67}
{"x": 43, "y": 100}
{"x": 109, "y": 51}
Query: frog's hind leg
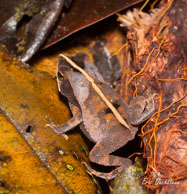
{"x": 108, "y": 176}
{"x": 100, "y": 154}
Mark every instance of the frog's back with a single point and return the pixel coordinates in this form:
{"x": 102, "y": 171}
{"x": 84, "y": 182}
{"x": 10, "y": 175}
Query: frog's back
{"x": 98, "y": 120}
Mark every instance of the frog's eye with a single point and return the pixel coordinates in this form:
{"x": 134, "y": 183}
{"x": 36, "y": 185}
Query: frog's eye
{"x": 60, "y": 76}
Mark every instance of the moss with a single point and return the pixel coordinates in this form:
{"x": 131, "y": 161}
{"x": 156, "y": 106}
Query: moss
{"x": 69, "y": 167}
{"x": 128, "y": 180}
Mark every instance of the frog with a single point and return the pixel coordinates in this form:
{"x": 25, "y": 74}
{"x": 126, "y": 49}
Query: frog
{"x": 95, "y": 119}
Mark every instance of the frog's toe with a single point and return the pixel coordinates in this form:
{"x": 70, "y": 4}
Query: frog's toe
{"x": 57, "y": 129}
{"x": 52, "y": 125}
{"x": 104, "y": 175}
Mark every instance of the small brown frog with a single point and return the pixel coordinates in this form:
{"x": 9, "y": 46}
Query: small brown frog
{"x": 94, "y": 117}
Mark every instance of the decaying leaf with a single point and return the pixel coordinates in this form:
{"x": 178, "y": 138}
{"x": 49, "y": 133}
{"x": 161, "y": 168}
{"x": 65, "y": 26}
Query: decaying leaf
{"x": 156, "y": 42}
{"x": 25, "y": 25}
{"x": 27, "y": 96}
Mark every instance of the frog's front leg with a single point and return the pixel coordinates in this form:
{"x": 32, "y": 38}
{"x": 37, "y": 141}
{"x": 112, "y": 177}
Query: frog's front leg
{"x": 70, "y": 124}
{"x": 100, "y": 154}
{"x": 140, "y": 109}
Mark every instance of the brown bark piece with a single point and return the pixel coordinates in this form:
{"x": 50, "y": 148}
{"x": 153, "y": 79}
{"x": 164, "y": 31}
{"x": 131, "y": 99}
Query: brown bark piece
{"x": 157, "y": 64}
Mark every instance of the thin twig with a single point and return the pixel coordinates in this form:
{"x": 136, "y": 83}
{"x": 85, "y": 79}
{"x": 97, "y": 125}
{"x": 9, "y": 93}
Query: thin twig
{"x": 98, "y": 90}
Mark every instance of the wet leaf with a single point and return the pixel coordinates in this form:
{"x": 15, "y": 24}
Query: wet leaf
{"x": 28, "y": 146}
{"x": 25, "y": 25}
{"x": 84, "y": 13}
{"x": 98, "y": 46}
{"x": 23, "y": 172}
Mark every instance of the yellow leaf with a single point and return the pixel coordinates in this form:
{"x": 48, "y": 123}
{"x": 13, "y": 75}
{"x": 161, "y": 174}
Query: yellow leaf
{"x": 39, "y": 157}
